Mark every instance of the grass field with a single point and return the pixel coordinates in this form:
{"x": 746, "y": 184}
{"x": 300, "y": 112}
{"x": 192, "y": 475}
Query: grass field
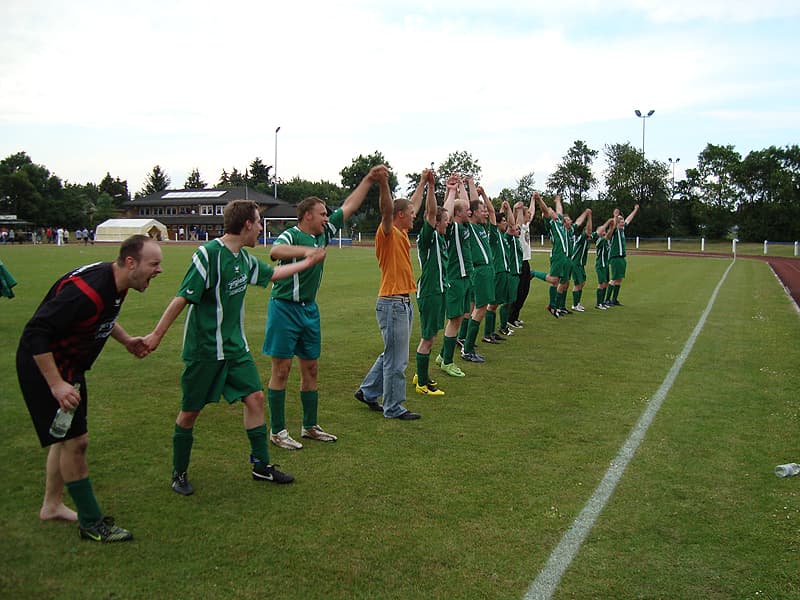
{"x": 468, "y": 502}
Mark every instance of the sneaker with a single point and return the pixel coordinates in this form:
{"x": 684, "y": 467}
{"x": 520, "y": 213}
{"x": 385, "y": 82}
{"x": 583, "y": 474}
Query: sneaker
{"x": 105, "y": 531}
{"x": 563, "y": 311}
{"x": 282, "y": 439}
{"x": 488, "y": 339}
{"x": 553, "y": 311}
{"x": 617, "y": 303}
{"x": 608, "y": 304}
{"x": 415, "y": 380}
{"x": 317, "y": 433}
{"x": 181, "y": 485}
{"x": 518, "y": 323}
{"x": 472, "y": 357}
{"x": 262, "y": 472}
{"x": 601, "y": 307}
{"x": 578, "y": 307}
{"x": 499, "y": 338}
{"x": 359, "y": 395}
{"x": 510, "y": 326}
{"x": 429, "y": 389}
{"x": 452, "y": 370}
{"x": 439, "y": 359}
{"x": 506, "y": 331}
{"x": 460, "y": 342}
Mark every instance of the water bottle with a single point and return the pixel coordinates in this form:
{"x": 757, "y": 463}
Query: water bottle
{"x": 787, "y": 470}
{"x": 63, "y": 419}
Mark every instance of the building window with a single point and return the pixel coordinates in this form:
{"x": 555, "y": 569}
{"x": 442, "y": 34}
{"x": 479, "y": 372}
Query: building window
{"x": 206, "y": 209}
{"x": 158, "y": 210}
{"x": 220, "y": 209}
{"x": 171, "y": 210}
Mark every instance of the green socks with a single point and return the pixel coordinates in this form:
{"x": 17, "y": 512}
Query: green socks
{"x": 277, "y": 409}
{"x": 489, "y": 321}
{"x": 472, "y": 334}
{"x": 310, "y": 400}
{"x": 553, "y": 294}
{"x": 258, "y": 443}
{"x": 576, "y": 297}
{"x": 601, "y": 295}
{"x": 448, "y": 349}
{"x": 423, "y": 360}
{"x": 82, "y": 495}
{"x": 505, "y": 310}
{"x": 462, "y": 330}
{"x": 182, "y": 440}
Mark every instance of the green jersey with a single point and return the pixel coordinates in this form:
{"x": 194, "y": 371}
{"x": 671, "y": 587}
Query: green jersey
{"x": 432, "y": 254}
{"x": 481, "y": 250}
{"x": 500, "y": 249}
{"x": 459, "y": 251}
{"x": 303, "y": 286}
{"x": 618, "y": 243}
{"x": 559, "y": 238}
{"x": 214, "y": 286}
{"x": 580, "y": 248}
{"x": 602, "y": 249}
{"x": 515, "y": 246}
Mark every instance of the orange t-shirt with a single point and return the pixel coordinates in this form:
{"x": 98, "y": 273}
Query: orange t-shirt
{"x": 393, "y": 250}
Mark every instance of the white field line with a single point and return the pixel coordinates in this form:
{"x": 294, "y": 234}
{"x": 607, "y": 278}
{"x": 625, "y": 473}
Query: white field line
{"x": 545, "y": 584}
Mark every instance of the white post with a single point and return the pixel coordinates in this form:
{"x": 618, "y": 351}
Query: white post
{"x": 702, "y": 244}
{"x": 637, "y": 242}
{"x": 795, "y": 248}
{"x": 340, "y": 238}
{"x": 359, "y": 237}
{"x": 265, "y": 228}
{"x": 669, "y": 243}
{"x": 542, "y": 243}
{"x": 765, "y": 246}
{"x": 733, "y": 249}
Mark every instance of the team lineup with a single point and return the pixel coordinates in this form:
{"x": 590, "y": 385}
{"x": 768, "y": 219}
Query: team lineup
{"x": 474, "y": 272}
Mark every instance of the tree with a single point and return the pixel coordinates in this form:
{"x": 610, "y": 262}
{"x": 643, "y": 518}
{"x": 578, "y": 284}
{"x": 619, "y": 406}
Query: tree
{"x": 224, "y": 179}
{"x": 717, "y": 174}
{"x": 352, "y": 176}
{"x": 573, "y": 177}
{"x": 194, "y": 182}
{"x": 460, "y": 162}
{"x": 29, "y": 190}
{"x": 157, "y": 181}
{"x": 237, "y": 179}
{"x": 259, "y": 174}
{"x": 297, "y": 189}
{"x": 115, "y": 188}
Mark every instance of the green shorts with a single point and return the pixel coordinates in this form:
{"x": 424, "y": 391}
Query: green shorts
{"x": 502, "y": 288}
{"x": 204, "y": 381}
{"x": 293, "y": 329}
{"x": 513, "y": 287}
{"x": 431, "y": 315}
{"x": 578, "y": 273}
{"x": 457, "y": 298}
{"x": 483, "y": 285}
{"x": 560, "y": 266}
{"x": 602, "y": 274}
{"x": 618, "y": 266}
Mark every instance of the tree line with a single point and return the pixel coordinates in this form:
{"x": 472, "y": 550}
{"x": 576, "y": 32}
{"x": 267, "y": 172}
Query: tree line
{"x": 754, "y": 198}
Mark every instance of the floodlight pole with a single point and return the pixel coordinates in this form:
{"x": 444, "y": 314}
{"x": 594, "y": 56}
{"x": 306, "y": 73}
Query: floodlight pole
{"x": 275, "y": 166}
{"x": 673, "y": 163}
{"x": 643, "y": 118}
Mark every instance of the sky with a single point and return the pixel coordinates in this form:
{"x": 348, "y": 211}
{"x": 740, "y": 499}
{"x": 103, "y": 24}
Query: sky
{"x": 90, "y": 87}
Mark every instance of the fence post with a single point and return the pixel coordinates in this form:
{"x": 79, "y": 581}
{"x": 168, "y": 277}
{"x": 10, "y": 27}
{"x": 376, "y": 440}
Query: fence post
{"x": 702, "y": 244}
{"x": 542, "y": 243}
{"x": 669, "y": 243}
{"x": 734, "y": 247}
{"x": 637, "y": 242}
{"x": 795, "y": 248}
{"x": 766, "y": 243}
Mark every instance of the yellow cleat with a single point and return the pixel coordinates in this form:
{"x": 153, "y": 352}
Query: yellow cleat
{"x": 429, "y": 390}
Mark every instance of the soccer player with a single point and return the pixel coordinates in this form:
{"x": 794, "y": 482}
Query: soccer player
{"x": 482, "y": 269}
{"x": 393, "y": 309}
{"x": 58, "y": 345}
{"x": 601, "y": 244}
{"x": 431, "y": 286}
{"x": 501, "y": 264}
{"x": 617, "y": 260}
{"x": 579, "y": 253}
{"x": 560, "y": 264}
{"x": 522, "y": 217}
{"x": 216, "y": 354}
{"x": 293, "y": 320}
{"x": 459, "y": 267}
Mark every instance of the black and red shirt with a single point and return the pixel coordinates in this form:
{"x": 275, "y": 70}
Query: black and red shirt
{"x": 75, "y": 319}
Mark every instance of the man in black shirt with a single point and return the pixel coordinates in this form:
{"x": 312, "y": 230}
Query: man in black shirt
{"x": 58, "y": 345}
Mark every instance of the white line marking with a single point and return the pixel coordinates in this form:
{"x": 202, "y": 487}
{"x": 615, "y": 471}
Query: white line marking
{"x": 545, "y": 584}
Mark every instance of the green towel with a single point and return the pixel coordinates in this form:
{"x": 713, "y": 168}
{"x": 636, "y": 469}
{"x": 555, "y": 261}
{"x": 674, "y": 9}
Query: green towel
{"x": 7, "y": 282}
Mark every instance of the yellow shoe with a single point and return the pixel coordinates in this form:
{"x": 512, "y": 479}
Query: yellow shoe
{"x": 429, "y": 390}
{"x": 431, "y": 382}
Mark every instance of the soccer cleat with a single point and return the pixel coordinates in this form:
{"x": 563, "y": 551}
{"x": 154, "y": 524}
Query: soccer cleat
{"x": 553, "y": 311}
{"x": 263, "y": 472}
{"x": 429, "y": 389}
{"x": 359, "y": 395}
{"x": 518, "y": 324}
{"x": 317, "y": 433}
{"x": 601, "y": 307}
{"x": 452, "y": 370}
{"x": 104, "y": 531}
{"x": 181, "y": 485}
{"x": 439, "y": 359}
{"x": 578, "y": 307}
{"x": 617, "y": 303}
{"x": 563, "y": 311}
{"x": 472, "y": 357}
{"x": 460, "y": 342}
{"x": 488, "y": 339}
{"x": 506, "y": 331}
{"x": 499, "y": 338}
{"x": 282, "y": 439}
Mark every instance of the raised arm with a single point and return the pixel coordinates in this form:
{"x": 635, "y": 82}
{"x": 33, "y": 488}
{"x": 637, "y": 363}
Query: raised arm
{"x": 505, "y": 207}
{"x": 559, "y": 206}
{"x": 488, "y": 203}
{"x": 609, "y": 229}
{"x": 633, "y": 214}
{"x": 582, "y": 218}
{"x": 416, "y": 197}
{"x": 353, "y": 202}
{"x": 386, "y": 203}
{"x": 473, "y": 189}
{"x": 547, "y": 212}
{"x": 588, "y": 229}
{"x": 430, "y": 199}
{"x": 452, "y": 191}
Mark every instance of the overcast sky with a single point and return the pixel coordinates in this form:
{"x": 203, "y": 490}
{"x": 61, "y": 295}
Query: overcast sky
{"x": 89, "y": 87}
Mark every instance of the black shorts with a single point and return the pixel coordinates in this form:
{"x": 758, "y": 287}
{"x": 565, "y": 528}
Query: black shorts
{"x": 42, "y": 406}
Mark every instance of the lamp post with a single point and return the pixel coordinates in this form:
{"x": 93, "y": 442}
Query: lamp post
{"x": 275, "y": 166}
{"x": 673, "y": 163}
{"x": 643, "y": 118}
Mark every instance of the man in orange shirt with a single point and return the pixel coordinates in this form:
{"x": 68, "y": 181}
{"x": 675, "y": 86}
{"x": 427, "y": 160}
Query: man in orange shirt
{"x": 393, "y": 309}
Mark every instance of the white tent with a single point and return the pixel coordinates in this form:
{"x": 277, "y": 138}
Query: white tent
{"x": 117, "y": 230}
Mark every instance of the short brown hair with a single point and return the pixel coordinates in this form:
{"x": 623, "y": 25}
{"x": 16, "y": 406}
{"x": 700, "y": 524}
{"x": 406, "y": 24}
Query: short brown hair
{"x": 237, "y": 213}
{"x": 132, "y": 247}
{"x": 401, "y": 204}
{"x": 306, "y": 205}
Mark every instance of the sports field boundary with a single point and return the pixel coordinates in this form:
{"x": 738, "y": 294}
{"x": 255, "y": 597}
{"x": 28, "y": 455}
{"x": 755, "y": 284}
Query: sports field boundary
{"x": 546, "y": 582}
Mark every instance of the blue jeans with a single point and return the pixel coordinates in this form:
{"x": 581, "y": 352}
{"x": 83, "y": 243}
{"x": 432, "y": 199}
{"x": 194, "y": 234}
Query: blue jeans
{"x": 387, "y": 376}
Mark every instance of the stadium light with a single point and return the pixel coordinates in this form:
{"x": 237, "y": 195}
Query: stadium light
{"x": 673, "y": 163}
{"x": 275, "y": 166}
{"x": 643, "y": 118}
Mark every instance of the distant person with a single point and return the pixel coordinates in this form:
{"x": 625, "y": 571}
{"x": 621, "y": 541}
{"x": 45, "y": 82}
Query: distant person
{"x": 215, "y": 351}
{"x": 617, "y": 254}
{"x": 58, "y": 345}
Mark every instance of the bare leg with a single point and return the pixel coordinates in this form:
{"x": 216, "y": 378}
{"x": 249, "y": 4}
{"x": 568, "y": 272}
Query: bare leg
{"x": 53, "y": 507}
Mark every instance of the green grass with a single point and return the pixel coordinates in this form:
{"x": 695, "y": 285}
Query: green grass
{"x": 466, "y": 503}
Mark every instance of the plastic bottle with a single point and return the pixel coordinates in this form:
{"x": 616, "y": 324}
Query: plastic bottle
{"x": 63, "y": 419}
{"x": 787, "y": 470}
